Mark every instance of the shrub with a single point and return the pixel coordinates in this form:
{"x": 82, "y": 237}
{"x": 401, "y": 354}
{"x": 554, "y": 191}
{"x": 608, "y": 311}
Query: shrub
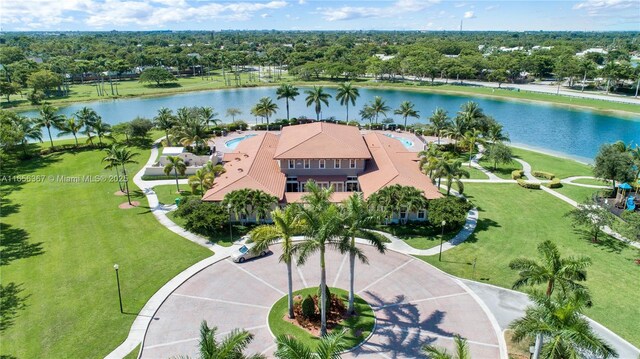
{"x": 308, "y": 307}
{"x": 451, "y": 209}
{"x": 542, "y": 174}
{"x": 328, "y": 298}
{"x": 555, "y": 183}
{"x": 205, "y": 218}
{"x": 527, "y": 184}
{"x": 517, "y": 174}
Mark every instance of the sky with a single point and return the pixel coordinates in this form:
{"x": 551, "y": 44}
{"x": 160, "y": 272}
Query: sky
{"x": 128, "y": 15}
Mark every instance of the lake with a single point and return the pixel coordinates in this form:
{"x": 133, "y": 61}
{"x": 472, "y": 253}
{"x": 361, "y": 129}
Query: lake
{"x": 574, "y": 133}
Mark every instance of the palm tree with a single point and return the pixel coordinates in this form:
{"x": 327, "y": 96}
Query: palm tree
{"x": 71, "y": 126}
{"x": 49, "y": 117}
{"x": 458, "y": 128}
{"x": 238, "y": 202}
{"x": 322, "y": 226}
{"x": 495, "y": 134}
{"x": 120, "y": 156}
{"x": 471, "y": 138}
{"x": 429, "y": 159}
{"x": 406, "y": 110}
{"x": 233, "y": 112}
{"x": 88, "y": 117}
{"x": 452, "y": 171}
{"x": 110, "y": 158}
{"x": 261, "y": 204}
{"x": 347, "y": 94}
{"x": 28, "y": 129}
{"x": 439, "y": 122}
{"x": 379, "y": 107}
{"x": 231, "y": 346}
{"x": 568, "y": 333}
{"x": 367, "y": 113}
{"x": 208, "y": 116}
{"x": 461, "y": 351}
{"x": 101, "y": 129}
{"x": 177, "y": 165}
{"x": 470, "y": 112}
{"x": 329, "y": 347}
{"x": 192, "y": 132}
{"x": 552, "y": 270}
{"x": 287, "y": 92}
{"x": 265, "y": 108}
{"x": 357, "y": 217}
{"x": 165, "y": 121}
{"x": 317, "y": 97}
{"x": 202, "y": 178}
{"x": 285, "y": 226}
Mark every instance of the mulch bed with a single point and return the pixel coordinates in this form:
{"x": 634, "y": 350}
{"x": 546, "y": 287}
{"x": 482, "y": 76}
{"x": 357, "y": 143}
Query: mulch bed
{"x": 126, "y": 205}
{"x": 336, "y": 314}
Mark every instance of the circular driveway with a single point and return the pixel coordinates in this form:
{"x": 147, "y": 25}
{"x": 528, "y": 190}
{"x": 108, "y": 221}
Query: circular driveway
{"x": 415, "y": 304}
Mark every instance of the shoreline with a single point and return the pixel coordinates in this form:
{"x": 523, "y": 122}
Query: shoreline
{"x": 548, "y": 152}
{"x": 406, "y": 86}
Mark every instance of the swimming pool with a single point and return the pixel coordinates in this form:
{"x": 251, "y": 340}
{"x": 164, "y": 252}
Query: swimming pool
{"x": 406, "y": 143}
{"x": 232, "y": 144}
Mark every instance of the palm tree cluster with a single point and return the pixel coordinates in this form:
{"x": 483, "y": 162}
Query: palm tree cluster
{"x": 18, "y": 130}
{"x": 440, "y": 164}
{"x": 324, "y": 225}
{"x": 244, "y": 203}
{"x": 266, "y": 108}
{"x": 397, "y": 199}
{"x": 85, "y": 121}
{"x": 118, "y": 157}
{"x": 189, "y": 126}
{"x": 556, "y": 321}
{"x": 205, "y": 177}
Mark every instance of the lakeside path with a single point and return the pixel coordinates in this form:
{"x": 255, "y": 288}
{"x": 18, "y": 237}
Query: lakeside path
{"x": 488, "y": 296}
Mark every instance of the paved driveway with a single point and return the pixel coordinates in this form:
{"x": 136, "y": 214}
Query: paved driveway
{"x": 414, "y": 304}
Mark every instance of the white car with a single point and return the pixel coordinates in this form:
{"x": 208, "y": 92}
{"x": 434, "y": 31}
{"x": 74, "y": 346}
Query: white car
{"x": 244, "y": 253}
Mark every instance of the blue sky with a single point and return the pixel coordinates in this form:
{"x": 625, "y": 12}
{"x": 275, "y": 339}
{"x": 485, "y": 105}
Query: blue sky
{"x": 59, "y": 15}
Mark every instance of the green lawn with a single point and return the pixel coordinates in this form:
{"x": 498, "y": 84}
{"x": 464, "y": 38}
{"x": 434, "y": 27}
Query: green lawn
{"x": 167, "y": 194}
{"x": 593, "y": 181}
{"x": 358, "y": 328}
{"x": 418, "y": 235}
{"x": 561, "y": 167}
{"x": 512, "y": 221}
{"x": 60, "y": 242}
{"x": 577, "y": 193}
{"x": 502, "y": 170}
{"x": 475, "y": 173}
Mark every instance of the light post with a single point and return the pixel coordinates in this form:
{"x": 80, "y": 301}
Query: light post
{"x": 441, "y": 237}
{"x": 230, "y": 228}
{"x": 116, "y": 267}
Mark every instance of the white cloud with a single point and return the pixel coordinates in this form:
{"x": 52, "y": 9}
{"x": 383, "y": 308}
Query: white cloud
{"x": 469, "y": 15}
{"x": 491, "y": 7}
{"x": 265, "y": 15}
{"x": 302, "y": 2}
{"x": 460, "y": 4}
{"x": 399, "y": 7}
{"x": 606, "y": 7}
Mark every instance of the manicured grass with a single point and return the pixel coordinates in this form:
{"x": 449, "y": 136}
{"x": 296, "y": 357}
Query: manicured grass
{"x": 363, "y": 323}
{"x": 60, "y": 242}
{"x": 561, "y": 167}
{"x": 593, "y": 181}
{"x": 512, "y": 221}
{"x": 502, "y": 170}
{"x": 577, "y": 193}
{"x": 419, "y": 235}
{"x": 167, "y": 194}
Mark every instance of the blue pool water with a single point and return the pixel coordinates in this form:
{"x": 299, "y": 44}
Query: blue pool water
{"x": 232, "y": 144}
{"x": 406, "y": 143}
{"x": 575, "y": 133}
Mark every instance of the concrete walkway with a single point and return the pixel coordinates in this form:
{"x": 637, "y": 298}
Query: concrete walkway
{"x": 569, "y": 181}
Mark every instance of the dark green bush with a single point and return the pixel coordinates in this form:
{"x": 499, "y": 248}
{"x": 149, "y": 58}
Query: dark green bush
{"x": 527, "y": 184}
{"x": 451, "y": 209}
{"x": 517, "y": 174}
{"x": 205, "y": 218}
{"x": 542, "y": 174}
{"x": 555, "y": 183}
{"x": 308, "y": 307}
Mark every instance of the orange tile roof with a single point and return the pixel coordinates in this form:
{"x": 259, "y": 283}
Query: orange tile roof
{"x": 296, "y": 197}
{"x": 321, "y": 140}
{"x": 392, "y": 164}
{"x": 250, "y": 166}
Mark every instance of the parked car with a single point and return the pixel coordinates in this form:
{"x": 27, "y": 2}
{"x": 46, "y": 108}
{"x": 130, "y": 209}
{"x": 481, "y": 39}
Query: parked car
{"x": 244, "y": 253}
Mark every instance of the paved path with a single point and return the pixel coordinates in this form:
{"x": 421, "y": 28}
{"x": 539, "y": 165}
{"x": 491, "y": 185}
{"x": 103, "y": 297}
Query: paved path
{"x": 569, "y": 181}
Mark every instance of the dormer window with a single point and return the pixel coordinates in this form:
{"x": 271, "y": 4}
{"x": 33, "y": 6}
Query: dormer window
{"x": 336, "y": 163}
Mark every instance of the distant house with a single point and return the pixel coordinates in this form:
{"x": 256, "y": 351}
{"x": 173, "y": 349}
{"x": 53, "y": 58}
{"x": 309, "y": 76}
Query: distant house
{"x": 384, "y": 57}
{"x": 331, "y": 155}
{"x": 597, "y": 50}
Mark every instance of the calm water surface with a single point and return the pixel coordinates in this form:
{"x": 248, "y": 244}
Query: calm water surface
{"x": 574, "y": 133}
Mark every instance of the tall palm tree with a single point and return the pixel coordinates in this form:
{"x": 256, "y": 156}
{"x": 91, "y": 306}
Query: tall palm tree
{"x": 347, "y": 94}
{"x": 71, "y": 126}
{"x": 287, "y": 92}
{"x": 329, "y": 347}
{"x": 266, "y": 108}
{"x": 560, "y": 321}
{"x": 458, "y": 128}
{"x": 233, "y": 112}
{"x": 120, "y": 156}
{"x": 238, "y": 203}
{"x": 88, "y": 117}
{"x": 322, "y": 227}
{"x": 495, "y": 134}
{"x": 192, "y": 132}
{"x": 439, "y": 122}
{"x": 452, "y": 171}
{"x": 49, "y": 116}
{"x": 285, "y": 225}
{"x": 165, "y": 121}
{"x": 357, "y": 217}
{"x": 28, "y": 129}
{"x": 110, "y": 158}
{"x": 177, "y": 165}
{"x": 379, "y": 106}
{"x": 429, "y": 159}
{"x": 202, "y": 178}
{"x": 367, "y": 114}
{"x": 231, "y": 346}
{"x": 101, "y": 129}
{"x": 208, "y": 116}
{"x": 461, "y": 350}
{"x": 471, "y": 138}
{"x": 317, "y": 97}
{"x": 470, "y": 112}
{"x": 552, "y": 270}
{"x": 406, "y": 110}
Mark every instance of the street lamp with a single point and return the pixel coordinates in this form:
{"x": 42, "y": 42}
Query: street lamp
{"x": 441, "y": 237}
{"x": 116, "y": 267}
{"x": 230, "y": 228}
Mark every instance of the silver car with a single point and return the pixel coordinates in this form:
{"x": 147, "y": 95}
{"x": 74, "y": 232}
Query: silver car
{"x": 244, "y": 253}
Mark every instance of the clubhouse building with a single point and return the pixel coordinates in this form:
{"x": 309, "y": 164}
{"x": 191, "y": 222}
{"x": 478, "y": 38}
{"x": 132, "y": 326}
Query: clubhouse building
{"x": 329, "y": 154}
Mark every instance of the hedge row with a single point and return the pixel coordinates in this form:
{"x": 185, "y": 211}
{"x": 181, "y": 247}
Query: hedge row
{"x": 555, "y": 183}
{"x": 547, "y": 175}
{"x": 527, "y": 184}
{"x": 517, "y": 174}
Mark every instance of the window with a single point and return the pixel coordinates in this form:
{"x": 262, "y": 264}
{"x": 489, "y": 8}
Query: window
{"x": 336, "y": 163}
{"x": 422, "y": 214}
{"x": 292, "y": 164}
{"x": 307, "y": 164}
{"x": 352, "y": 163}
{"x": 352, "y": 186}
{"x": 322, "y": 164}
{"x": 323, "y": 185}
{"x": 338, "y": 186}
{"x": 292, "y": 186}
